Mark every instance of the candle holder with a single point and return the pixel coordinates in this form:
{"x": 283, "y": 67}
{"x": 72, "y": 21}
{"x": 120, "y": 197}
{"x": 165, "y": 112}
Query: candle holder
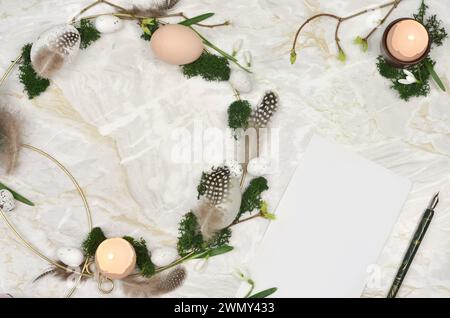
{"x": 390, "y": 58}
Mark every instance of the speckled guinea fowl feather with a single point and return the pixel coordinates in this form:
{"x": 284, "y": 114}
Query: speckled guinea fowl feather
{"x": 157, "y": 10}
{"x": 267, "y": 108}
{"x": 137, "y": 286}
{"x": 10, "y": 138}
{"x": 56, "y": 272}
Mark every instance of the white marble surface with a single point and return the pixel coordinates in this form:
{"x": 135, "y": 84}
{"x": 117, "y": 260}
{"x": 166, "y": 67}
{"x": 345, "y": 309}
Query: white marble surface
{"x": 109, "y": 117}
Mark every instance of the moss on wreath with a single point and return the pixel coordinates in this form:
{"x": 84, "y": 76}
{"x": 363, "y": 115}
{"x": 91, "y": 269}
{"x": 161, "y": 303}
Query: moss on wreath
{"x": 190, "y": 238}
{"x": 33, "y": 84}
{"x": 88, "y": 33}
{"x": 143, "y": 256}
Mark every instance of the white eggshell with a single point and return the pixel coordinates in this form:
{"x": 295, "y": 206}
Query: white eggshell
{"x": 7, "y": 202}
{"x": 241, "y": 81}
{"x": 259, "y": 166}
{"x": 235, "y": 168}
{"x": 232, "y": 203}
{"x": 176, "y": 44}
{"x": 108, "y": 24}
{"x": 71, "y": 256}
{"x": 164, "y": 256}
{"x": 51, "y": 39}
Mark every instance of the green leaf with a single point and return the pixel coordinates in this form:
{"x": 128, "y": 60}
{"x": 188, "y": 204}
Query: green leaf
{"x": 293, "y": 57}
{"x": 342, "y": 57}
{"x": 215, "y": 252}
{"x": 264, "y": 293}
{"x": 16, "y": 195}
{"x": 196, "y": 19}
{"x": 264, "y": 209}
{"x": 362, "y": 42}
{"x": 434, "y": 75}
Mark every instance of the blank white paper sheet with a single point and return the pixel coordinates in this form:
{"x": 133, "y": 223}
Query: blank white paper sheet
{"x": 332, "y": 223}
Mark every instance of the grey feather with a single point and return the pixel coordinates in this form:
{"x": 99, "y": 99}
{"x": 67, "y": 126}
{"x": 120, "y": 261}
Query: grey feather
{"x": 154, "y": 11}
{"x": 47, "y": 62}
{"x": 10, "y": 140}
{"x": 210, "y": 219}
{"x": 137, "y": 286}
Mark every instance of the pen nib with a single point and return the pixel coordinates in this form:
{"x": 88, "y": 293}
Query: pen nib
{"x": 434, "y": 202}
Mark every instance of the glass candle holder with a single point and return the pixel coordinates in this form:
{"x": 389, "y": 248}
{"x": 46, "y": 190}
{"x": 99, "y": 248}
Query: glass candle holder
{"x": 405, "y": 42}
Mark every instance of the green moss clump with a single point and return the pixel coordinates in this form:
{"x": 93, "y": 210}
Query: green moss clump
{"x": 33, "y": 84}
{"x": 93, "y": 240}
{"x": 239, "y": 114}
{"x": 420, "y": 71}
{"x": 209, "y": 66}
{"x": 88, "y": 33}
{"x": 190, "y": 238}
{"x": 143, "y": 257}
{"x": 251, "y": 198}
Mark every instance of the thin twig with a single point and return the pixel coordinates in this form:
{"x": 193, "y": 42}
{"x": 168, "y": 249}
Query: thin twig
{"x": 383, "y": 20}
{"x": 336, "y": 36}
{"x": 308, "y": 21}
{"x": 394, "y": 5}
{"x": 10, "y": 69}
{"x": 247, "y": 219}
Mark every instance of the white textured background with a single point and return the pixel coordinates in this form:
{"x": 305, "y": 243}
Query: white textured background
{"x": 125, "y": 168}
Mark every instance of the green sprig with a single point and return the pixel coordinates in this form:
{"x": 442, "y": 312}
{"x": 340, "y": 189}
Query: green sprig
{"x": 34, "y": 85}
{"x": 251, "y": 198}
{"x": 209, "y": 66}
{"x": 93, "y": 240}
{"x": 143, "y": 256}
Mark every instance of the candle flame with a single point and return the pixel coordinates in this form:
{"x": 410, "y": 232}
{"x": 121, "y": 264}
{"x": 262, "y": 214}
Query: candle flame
{"x": 411, "y": 37}
{"x": 110, "y": 256}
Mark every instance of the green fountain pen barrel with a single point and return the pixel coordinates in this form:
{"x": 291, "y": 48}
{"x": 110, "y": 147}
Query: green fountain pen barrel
{"x": 411, "y": 252}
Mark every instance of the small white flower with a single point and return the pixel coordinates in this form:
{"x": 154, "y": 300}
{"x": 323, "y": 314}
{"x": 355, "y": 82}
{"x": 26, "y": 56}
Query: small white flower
{"x": 237, "y": 46}
{"x": 409, "y": 79}
{"x": 248, "y": 58}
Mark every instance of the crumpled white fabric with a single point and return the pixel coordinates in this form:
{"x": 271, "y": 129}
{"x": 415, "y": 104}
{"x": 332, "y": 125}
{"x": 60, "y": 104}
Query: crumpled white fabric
{"x": 110, "y": 116}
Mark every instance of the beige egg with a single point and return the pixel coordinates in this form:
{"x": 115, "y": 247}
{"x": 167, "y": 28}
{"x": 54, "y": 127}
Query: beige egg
{"x": 176, "y": 44}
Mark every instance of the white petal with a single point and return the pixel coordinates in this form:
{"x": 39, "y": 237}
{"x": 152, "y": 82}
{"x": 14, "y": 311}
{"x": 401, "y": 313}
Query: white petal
{"x": 408, "y": 73}
{"x": 248, "y": 57}
{"x": 237, "y": 45}
{"x": 404, "y": 81}
{"x": 411, "y": 79}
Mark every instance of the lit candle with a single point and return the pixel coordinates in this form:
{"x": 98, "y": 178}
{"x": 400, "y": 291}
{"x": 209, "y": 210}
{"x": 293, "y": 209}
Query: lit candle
{"x": 405, "y": 42}
{"x": 115, "y": 258}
